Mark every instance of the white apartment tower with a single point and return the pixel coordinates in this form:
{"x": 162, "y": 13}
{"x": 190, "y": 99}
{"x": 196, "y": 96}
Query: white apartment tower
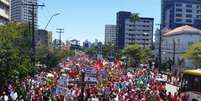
{"x": 110, "y": 34}
{"x": 21, "y": 12}
{"x": 140, "y": 32}
{"x": 4, "y": 11}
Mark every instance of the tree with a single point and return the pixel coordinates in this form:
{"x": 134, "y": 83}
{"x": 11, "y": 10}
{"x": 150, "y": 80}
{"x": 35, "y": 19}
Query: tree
{"x": 108, "y": 49}
{"x": 194, "y": 53}
{"x": 56, "y": 55}
{"x": 15, "y": 45}
{"x": 134, "y": 17}
{"x": 137, "y": 54}
{"x": 41, "y": 54}
{"x": 146, "y": 55}
{"x": 133, "y": 52}
{"x": 91, "y": 51}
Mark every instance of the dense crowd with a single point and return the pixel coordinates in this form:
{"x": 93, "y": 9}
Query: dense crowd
{"x": 117, "y": 83}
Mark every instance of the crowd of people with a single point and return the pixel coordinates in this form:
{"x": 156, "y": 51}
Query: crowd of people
{"x": 117, "y": 82}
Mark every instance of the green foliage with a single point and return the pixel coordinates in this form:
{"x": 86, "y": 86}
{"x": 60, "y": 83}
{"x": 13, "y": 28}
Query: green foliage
{"x": 137, "y": 54}
{"x": 92, "y": 51}
{"x": 15, "y": 45}
{"x": 56, "y": 55}
{"x": 146, "y": 55}
{"x": 20, "y": 90}
{"x": 167, "y": 65}
{"x": 194, "y": 53}
{"x": 134, "y": 17}
{"x": 118, "y": 53}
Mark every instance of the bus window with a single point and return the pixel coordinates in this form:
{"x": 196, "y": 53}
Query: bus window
{"x": 196, "y": 83}
{"x": 185, "y": 83}
{"x": 191, "y": 83}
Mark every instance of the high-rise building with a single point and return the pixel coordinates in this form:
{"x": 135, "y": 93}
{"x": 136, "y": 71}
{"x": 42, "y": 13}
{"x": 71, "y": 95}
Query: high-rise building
{"x": 120, "y": 34}
{"x": 4, "y": 11}
{"x": 139, "y": 32}
{"x": 21, "y": 12}
{"x": 43, "y": 38}
{"x": 110, "y": 34}
{"x": 175, "y": 13}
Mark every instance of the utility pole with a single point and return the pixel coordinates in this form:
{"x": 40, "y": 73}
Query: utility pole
{"x": 60, "y": 30}
{"x": 159, "y": 48}
{"x": 33, "y": 28}
{"x": 174, "y": 51}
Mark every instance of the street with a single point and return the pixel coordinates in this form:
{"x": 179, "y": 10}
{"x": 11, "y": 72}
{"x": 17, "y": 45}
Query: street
{"x": 171, "y": 88}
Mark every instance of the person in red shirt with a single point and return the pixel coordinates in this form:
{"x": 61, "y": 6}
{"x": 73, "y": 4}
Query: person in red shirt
{"x": 170, "y": 97}
{"x": 184, "y": 98}
{"x": 175, "y": 98}
{"x": 159, "y": 98}
{"x": 37, "y": 97}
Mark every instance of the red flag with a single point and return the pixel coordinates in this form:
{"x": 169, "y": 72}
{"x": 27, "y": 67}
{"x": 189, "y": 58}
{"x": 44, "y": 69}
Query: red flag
{"x": 99, "y": 64}
{"x": 117, "y": 61}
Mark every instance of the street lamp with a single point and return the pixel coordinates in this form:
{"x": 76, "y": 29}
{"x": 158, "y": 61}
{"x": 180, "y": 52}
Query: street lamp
{"x": 145, "y": 34}
{"x": 51, "y": 19}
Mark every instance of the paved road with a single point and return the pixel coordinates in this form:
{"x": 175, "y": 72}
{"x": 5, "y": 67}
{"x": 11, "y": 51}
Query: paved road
{"x": 171, "y": 88}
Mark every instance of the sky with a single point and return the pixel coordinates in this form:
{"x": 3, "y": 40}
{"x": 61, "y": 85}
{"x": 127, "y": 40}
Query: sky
{"x": 85, "y": 19}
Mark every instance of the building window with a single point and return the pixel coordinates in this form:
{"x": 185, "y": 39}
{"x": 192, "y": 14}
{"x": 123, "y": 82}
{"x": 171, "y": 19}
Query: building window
{"x": 178, "y": 20}
{"x": 178, "y": 43}
{"x": 198, "y": 11}
{"x": 178, "y": 5}
{"x": 188, "y": 15}
{"x": 190, "y": 43}
{"x": 198, "y": 16}
{"x": 178, "y": 15}
{"x": 189, "y": 6}
{"x": 189, "y": 20}
{"x": 179, "y": 10}
{"x": 198, "y": 6}
{"x": 189, "y": 10}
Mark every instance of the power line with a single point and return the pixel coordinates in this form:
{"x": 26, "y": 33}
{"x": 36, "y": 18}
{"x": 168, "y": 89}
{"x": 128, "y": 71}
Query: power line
{"x": 60, "y": 31}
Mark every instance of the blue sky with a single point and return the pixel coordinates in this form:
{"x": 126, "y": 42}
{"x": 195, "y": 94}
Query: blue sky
{"x": 85, "y": 19}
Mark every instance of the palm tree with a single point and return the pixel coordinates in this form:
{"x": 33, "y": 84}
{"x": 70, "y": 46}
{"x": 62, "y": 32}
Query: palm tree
{"x": 134, "y": 18}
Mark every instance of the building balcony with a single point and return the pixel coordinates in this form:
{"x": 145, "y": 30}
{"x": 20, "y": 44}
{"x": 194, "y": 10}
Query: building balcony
{"x": 6, "y": 2}
{"x": 4, "y": 14}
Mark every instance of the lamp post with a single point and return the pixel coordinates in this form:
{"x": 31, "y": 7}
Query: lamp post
{"x": 47, "y": 61}
{"x": 51, "y": 19}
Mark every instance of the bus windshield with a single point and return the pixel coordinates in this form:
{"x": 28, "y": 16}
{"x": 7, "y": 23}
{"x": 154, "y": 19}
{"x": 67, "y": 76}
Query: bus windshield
{"x": 191, "y": 83}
